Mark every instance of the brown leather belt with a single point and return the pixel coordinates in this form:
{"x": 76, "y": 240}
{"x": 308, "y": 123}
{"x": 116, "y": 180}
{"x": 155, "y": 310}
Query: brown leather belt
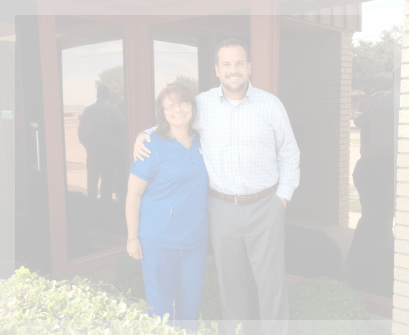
{"x": 243, "y": 200}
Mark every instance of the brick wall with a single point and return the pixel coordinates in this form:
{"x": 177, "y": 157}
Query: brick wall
{"x": 315, "y": 87}
{"x": 401, "y": 286}
{"x": 21, "y": 196}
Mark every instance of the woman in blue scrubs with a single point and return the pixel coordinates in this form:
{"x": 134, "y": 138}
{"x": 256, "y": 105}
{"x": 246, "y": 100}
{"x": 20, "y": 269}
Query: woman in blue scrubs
{"x": 166, "y": 210}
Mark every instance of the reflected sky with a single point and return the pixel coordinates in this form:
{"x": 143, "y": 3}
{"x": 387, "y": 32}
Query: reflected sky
{"x": 81, "y": 66}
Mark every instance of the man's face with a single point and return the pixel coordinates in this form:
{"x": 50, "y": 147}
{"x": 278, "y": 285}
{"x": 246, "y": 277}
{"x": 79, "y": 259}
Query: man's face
{"x": 233, "y": 69}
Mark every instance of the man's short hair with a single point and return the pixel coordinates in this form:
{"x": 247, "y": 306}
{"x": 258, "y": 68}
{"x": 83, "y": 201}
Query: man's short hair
{"x": 230, "y": 42}
{"x": 102, "y": 92}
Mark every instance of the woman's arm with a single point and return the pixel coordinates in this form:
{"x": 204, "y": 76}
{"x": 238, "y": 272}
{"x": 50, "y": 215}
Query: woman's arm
{"x": 136, "y": 187}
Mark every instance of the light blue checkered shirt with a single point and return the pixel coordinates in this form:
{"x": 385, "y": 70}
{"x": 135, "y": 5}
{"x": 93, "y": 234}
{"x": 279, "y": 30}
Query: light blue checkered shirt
{"x": 249, "y": 147}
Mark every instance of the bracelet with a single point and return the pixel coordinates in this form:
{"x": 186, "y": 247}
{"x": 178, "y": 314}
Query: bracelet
{"x": 132, "y": 239}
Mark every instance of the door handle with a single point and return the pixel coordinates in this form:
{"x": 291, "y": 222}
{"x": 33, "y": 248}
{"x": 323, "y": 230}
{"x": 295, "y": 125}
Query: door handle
{"x": 34, "y": 125}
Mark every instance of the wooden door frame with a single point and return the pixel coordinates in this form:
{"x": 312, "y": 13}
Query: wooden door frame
{"x": 265, "y": 46}
{"x": 139, "y": 96}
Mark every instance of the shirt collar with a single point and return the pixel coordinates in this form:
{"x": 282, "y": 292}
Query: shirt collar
{"x": 247, "y": 97}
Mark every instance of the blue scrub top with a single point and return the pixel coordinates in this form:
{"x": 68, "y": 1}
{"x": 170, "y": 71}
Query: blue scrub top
{"x": 173, "y": 212}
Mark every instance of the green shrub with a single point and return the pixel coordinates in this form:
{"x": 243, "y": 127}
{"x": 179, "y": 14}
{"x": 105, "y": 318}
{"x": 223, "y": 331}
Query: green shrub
{"x": 30, "y": 304}
{"x": 371, "y": 267}
{"x": 40, "y": 299}
{"x": 311, "y": 253}
{"x": 327, "y": 307}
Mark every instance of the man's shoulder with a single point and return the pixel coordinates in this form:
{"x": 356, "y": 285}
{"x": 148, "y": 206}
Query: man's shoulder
{"x": 210, "y": 94}
{"x": 383, "y": 103}
{"x": 94, "y": 108}
{"x": 258, "y": 95}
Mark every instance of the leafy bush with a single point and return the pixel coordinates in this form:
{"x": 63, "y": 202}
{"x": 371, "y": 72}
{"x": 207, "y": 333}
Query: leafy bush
{"x": 371, "y": 268}
{"x": 40, "y": 299}
{"x": 30, "y": 304}
{"x": 335, "y": 307}
{"x": 311, "y": 253}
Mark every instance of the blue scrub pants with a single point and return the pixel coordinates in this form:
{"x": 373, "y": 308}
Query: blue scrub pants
{"x": 173, "y": 281}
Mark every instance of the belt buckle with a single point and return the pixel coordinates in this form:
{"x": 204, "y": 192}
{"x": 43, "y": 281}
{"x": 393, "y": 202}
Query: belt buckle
{"x": 242, "y": 197}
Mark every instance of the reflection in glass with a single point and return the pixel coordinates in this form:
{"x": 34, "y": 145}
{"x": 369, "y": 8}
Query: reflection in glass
{"x": 95, "y": 146}
{"x": 175, "y": 62}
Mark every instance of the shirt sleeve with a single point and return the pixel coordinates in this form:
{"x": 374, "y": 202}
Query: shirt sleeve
{"x": 288, "y": 155}
{"x": 149, "y": 131}
{"x": 146, "y": 169}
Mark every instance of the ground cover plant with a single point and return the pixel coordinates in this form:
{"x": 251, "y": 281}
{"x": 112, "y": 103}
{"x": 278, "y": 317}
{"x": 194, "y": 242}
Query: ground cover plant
{"x": 318, "y": 306}
{"x": 324, "y": 299}
{"x": 30, "y": 304}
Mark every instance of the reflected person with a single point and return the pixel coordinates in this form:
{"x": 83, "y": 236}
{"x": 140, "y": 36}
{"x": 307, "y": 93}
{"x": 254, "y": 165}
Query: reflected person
{"x": 100, "y": 128}
{"x": 374, "y": 172}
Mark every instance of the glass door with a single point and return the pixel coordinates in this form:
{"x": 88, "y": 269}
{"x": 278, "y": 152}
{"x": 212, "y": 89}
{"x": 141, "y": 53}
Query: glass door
{"x": 95, "y": 146}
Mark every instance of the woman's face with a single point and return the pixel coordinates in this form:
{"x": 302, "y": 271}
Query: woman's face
{"x": 177, "y": 114}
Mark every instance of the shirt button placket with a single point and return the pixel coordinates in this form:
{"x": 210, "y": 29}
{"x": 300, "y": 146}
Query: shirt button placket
{"x": 191, "y": 159}
{"x": 236, "y": 152}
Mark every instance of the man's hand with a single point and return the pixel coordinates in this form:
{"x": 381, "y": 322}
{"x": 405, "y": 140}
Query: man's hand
{"x": 284, "y": 202}
{"x": 140, "y": 150}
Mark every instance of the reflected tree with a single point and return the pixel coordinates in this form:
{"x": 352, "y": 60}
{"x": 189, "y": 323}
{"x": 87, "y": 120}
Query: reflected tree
{"x": 114, "y": 79}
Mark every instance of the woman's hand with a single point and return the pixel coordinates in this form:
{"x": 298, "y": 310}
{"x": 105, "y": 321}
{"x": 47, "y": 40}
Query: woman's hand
{"x": 134, "y": 249}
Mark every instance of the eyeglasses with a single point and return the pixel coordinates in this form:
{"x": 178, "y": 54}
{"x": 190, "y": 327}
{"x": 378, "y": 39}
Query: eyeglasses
{"x": 182, "y": 105}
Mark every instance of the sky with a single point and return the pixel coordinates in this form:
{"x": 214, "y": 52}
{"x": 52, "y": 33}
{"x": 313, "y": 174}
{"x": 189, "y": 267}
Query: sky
{"x": 81, "y": 65}
{"x": 378, "y": 16}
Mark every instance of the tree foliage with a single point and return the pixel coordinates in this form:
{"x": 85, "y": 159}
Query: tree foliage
{"x": 114, "y": 79}
{"x": 189, "y": 82}
{"x": 373, "y": 62}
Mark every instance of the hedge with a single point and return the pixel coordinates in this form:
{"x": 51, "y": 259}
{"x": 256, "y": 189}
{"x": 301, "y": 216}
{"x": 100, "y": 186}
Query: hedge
{"x": 30, "y": 304}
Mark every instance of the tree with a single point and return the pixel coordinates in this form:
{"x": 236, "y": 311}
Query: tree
{"x": 373, "y": 62}
{"x": 189, "y": 82}
{"x": 114, "y": 79}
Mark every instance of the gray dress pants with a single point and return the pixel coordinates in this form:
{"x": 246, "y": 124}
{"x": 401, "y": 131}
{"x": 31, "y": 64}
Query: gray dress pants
{"x": 251, "y": 233}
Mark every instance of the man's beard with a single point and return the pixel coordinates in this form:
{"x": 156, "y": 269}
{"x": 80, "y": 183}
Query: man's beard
{"x": 234, "y": 89}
